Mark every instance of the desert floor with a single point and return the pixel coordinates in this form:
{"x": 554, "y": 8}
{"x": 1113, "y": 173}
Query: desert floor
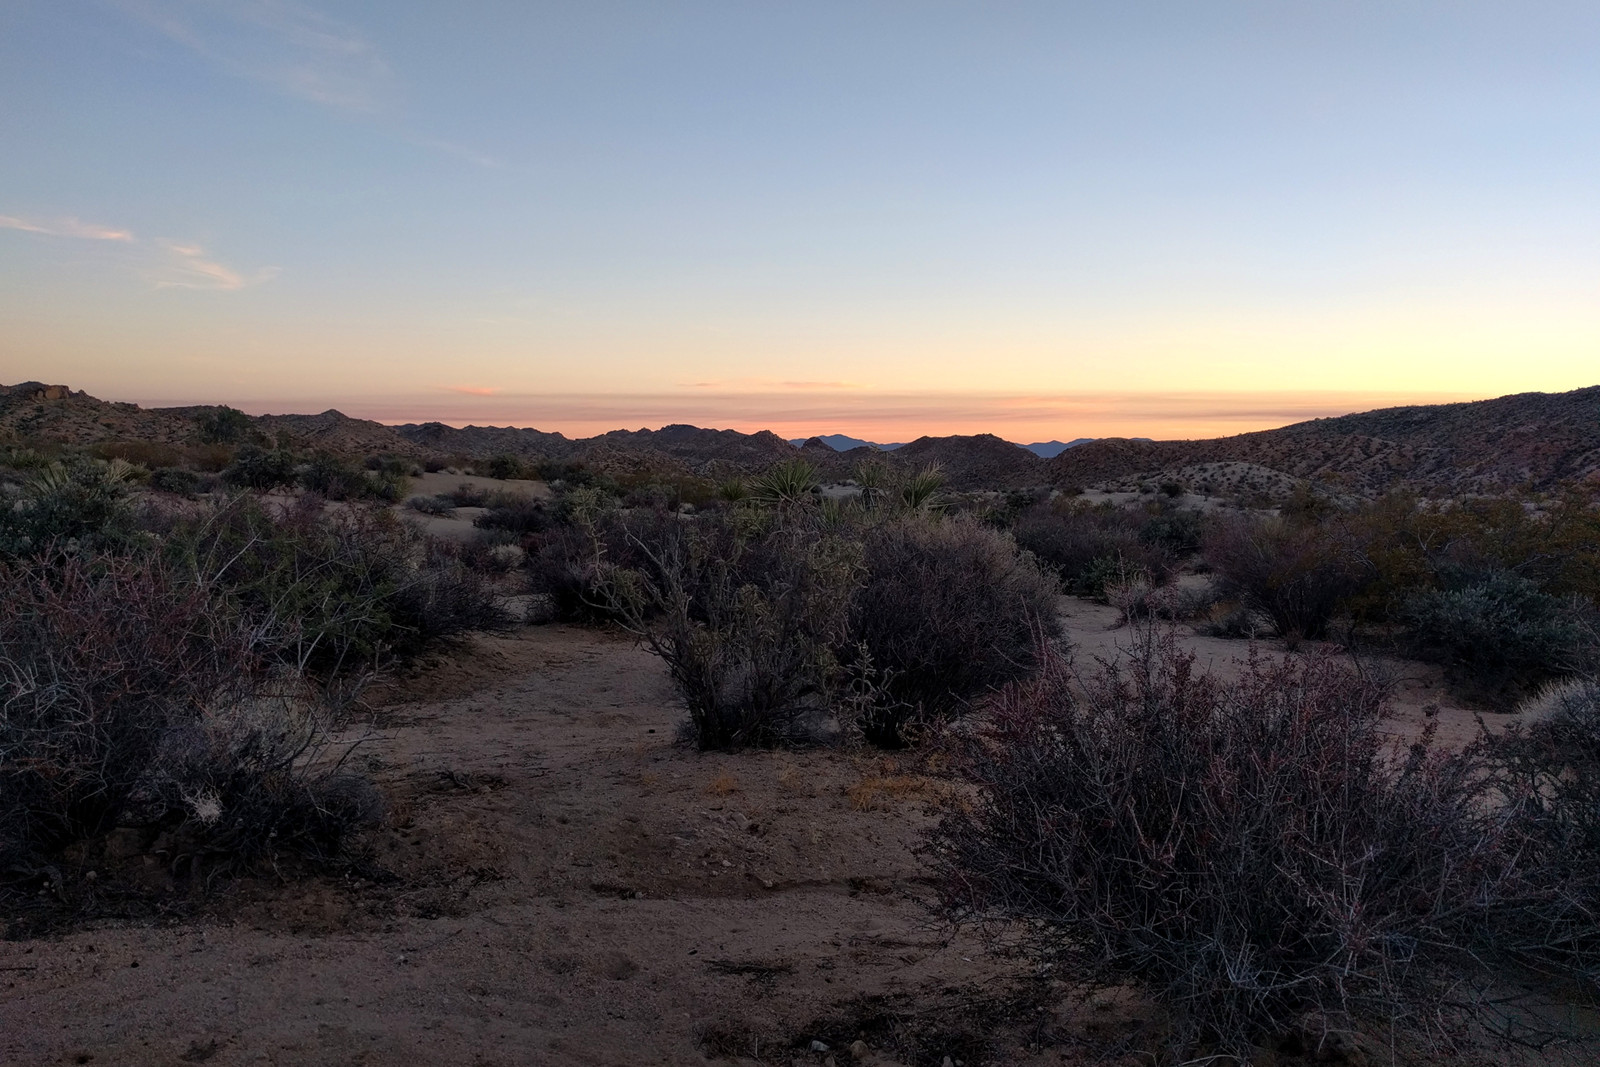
{"x": 559, "y": 882}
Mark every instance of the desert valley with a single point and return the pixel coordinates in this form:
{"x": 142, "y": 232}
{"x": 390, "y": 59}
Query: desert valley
{"x": 484, "y": 745}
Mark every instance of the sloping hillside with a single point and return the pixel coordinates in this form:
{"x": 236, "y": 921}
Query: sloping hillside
{"x": 1532, "y": 440}
{"x": 58, "y": 414}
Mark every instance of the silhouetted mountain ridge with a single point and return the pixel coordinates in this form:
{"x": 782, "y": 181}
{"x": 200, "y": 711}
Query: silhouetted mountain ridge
{"x": 1527, "y": 440}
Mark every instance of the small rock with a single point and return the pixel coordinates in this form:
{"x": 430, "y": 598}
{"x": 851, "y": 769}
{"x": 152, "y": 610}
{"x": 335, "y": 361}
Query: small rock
{"x": 859, "y": 1050}
{"x": 819, "y": 1046}
{"x": 948, "y": 1062}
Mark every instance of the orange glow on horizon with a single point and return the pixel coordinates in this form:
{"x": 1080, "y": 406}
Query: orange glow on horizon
{"x": 870, "y": 416}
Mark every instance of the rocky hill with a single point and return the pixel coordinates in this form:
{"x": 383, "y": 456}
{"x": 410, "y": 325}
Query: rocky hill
{"x": 1528, "y": 440}
{"x": 56, "y": 413}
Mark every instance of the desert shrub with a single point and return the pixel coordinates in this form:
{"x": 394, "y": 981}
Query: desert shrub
{"x": 1416, "y": 547}
{"x": 446, "y": 595}
{"x": 515, "y": 513}
{"x": 254, "y": 467}
{"x": 1089, "y": 546}
{"x": 947, "y": 610}
{"x": 1254, "y": 854}
{"x": 1547, "y": 771}
{"x": 175, "y": 480}
{"x": 223, "y": 425}
{"x": 348, "y": 588}
{"x": 1497, "y": 633}
{"x": 746, "y": 620}
{"x": 467, "y": 495}
{"x": 64, "y": 508}
{"x": 149, "y": 454}
{"x": 431, "y": 505}
{"x": 251, "y": 781}
{"x": 1179, "y": 531}
{"x": 98, "y": 657}
{"x": 492, "y": 551}
{"x": 1296, "y": 574}
{"x": 332, "y": 478}
{"x": 209, "y": 458}
{"x": 578, "y": 564}
{"x": 504, "y": 467}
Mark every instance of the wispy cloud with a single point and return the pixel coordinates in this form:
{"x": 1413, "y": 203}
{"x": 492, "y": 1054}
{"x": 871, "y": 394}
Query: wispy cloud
{"x": 297, "y": 51}
{"x": 472, "y": 390}
{"x": 187, "y": 266}
{"x": 286, "y": 45}
{"x": 164, "y": 264}
{"x": 450, "y": 148}
{"x": 762, "y": 384}
{"x": 66, "y": 227}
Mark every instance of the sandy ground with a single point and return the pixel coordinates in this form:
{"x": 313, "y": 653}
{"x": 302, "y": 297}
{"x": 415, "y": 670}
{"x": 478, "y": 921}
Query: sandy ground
{"x": 568, "y": 886}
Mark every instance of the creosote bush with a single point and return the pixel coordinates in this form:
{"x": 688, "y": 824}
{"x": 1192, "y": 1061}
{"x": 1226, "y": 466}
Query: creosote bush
{"x": 1256, "y": 854}
{"x": 947, "y": 610}
{"x": 1296, "y": 574}
{"x": 1091, "y": 547}
{"x": 745, "y": 620}
{"x": 1498, "y": 634}
{"x": 347, "y": 589}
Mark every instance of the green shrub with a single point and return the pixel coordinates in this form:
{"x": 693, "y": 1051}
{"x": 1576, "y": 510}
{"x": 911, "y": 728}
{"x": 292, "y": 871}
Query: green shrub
{"x": 351, "y": 588}
{"x": 254, "y": 467}
{"x": 1089, "y": 546}
{"x": 1498, "y": 634}
{"x": 78, "y": 506}
{"x": 175, "y": 480}
{"x": 224, "y": 425}
{"x": 515, "y": 513}
{"x": 432, "y": 505}
{"x": 504, "y": 467}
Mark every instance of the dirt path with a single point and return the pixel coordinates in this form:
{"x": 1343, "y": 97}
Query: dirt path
{"x": 577, "y": 889}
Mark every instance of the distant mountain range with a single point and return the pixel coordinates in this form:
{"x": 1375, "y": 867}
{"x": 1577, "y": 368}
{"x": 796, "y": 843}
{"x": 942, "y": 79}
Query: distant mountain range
{"x": 844, "y": 442}
{"x": 1529, "y": 440}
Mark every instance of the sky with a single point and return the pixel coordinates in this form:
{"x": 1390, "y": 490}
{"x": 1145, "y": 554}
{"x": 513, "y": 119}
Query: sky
{"x": 1042, "y": 220}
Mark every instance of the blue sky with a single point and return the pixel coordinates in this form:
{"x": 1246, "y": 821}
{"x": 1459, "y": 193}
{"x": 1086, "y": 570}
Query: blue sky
{"x": 1042, "y": 219}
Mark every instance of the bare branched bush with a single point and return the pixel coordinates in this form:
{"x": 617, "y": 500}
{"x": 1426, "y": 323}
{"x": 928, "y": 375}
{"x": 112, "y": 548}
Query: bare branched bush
{"x": 1296, "y": 574}
{"x": 1547, "y": 771}
{"x": 1255, "y": 854}
{"x": 347, "y": 588}
{"x": 1090, "y": 547}
{"x": 254, "y": 778}
{"x": 948, "y": 610}
{"x": 746, "y": 620}
{"x": 98, "y": 658}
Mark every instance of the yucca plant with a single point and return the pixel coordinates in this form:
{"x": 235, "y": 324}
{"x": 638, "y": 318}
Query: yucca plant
{"x": 919, "y": 490}
{"x": 794, "y": 481}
